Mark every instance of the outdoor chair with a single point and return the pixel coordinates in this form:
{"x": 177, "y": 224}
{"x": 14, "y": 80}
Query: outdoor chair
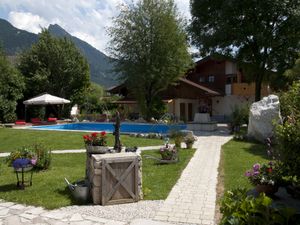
{"x": 52, "y": 120}
{"x": 36, "y": 121}
{"x": 20, "y": 122}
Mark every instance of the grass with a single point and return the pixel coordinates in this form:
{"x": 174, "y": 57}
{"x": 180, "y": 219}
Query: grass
{"x": 158, "y": 179}
{"x": 12, "y": 139}
{"x": 237, "y": 157}
{"x": 50, "y": 191}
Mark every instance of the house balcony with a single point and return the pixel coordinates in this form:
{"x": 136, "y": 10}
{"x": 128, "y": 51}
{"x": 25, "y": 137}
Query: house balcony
{"x": 245, "y": 89}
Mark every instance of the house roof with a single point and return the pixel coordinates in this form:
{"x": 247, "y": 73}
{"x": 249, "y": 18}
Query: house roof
{"x": 208, "y": 90}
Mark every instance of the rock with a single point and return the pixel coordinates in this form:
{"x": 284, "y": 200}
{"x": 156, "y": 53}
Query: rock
{"x": 262, "y": 116}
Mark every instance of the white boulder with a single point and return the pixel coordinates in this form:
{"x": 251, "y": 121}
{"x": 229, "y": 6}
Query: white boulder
{"x": 263, "y": 114}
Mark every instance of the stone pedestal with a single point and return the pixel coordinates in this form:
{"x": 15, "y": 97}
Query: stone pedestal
{"x": 115, "y": 178}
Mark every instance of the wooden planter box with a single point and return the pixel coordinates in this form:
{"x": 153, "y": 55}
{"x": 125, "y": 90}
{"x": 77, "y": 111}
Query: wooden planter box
{"x": 115, "y": 178}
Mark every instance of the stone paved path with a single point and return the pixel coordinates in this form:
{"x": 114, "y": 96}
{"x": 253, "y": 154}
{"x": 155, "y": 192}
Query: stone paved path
{"x": 193, "y": 198}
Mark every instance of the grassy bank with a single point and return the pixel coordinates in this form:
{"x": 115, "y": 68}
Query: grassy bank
{"x": 236, "y": 158}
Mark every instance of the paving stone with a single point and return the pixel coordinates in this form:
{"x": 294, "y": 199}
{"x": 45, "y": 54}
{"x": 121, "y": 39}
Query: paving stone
{"x": 113, "y": 222}
{"x": 95, "y": 219}
{"x": 76, "y": 217}
{"x": 35, "y": 211}
{"x": 24, "y": 220}
{"x": 55, "y": 215}
{"x": 4, "y": 212}
{"x": 6, "y": 204}
{"x": 147, "y": 222}
{"x": 12, "y": 220}
{"x": 28, "y": 216}
{"x": 81, "y": 223}
{"x": 18, "y": 206}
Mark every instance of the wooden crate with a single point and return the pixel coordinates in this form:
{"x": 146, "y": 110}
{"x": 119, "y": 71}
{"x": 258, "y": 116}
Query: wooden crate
{"x": 115, "y": 178}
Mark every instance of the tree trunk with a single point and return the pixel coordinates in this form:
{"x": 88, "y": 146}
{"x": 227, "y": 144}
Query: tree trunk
{"x": 258, "y": 83}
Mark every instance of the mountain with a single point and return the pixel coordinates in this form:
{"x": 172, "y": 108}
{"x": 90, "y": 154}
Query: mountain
{"x": 15, "y": 40}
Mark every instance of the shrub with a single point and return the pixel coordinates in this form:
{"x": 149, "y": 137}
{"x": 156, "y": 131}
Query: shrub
{"x": 239, "y": 209}
{"x": 43, "y": 156}
{"x": 178, "y": 137}
{"x": 38, "y": 152}
{"x": 288, "y": 134}
{"x": 239, "y": 116}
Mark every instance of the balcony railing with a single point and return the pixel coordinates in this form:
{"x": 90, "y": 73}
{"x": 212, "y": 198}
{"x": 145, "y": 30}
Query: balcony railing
{"x": 245, "y": 89}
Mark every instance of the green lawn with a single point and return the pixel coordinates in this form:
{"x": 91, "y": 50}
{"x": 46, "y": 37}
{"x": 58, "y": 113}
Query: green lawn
{"x": 50, "y": 191}
{"x": 158, "y": 179}
{"x": 237, "y": 157}
{"x": 12, "y": 139}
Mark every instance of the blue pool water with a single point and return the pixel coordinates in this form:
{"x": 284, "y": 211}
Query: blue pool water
{"x": 108, "y": 127}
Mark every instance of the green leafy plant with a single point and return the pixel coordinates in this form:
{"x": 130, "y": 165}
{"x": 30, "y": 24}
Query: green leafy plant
{"x": 43, "y": 156}
{"x": 238, "y": 208}
{"x": 178, "y": 137}
{"x": 168, "y": 153}
{"x": 288, "y": 133}
{"x": 239, "y": 116}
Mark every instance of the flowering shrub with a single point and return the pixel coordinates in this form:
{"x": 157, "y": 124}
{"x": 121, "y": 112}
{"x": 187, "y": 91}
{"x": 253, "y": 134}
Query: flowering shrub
{"x": 21, "y": 158}
{"x": 168, "y": 153}
{"x": 264, "y": 174}
{"x": 37, "y": 155}
{"x": 96, "y": 139}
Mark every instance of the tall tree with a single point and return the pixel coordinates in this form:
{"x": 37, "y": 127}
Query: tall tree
{"x": 11, "y": 88}
{"x": 149, "y": 40}
{"x": 264, "y": 34}
{"x": 55, "y": 65}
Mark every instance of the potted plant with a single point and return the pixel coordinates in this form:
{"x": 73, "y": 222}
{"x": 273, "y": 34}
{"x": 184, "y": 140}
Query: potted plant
{"x": 265, "y": 177}
{"x": 189, "y": 141}
{"x": 96, "y": 143}
{"x": 22, "y": 159}
{"x": 168, "y": 153}
{"x": 178, "y": 138}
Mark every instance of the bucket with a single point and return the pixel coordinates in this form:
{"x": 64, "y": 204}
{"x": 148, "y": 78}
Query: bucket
{"x": 80, "y": 190}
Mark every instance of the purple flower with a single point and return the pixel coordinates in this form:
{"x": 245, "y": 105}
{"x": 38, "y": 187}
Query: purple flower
{"x": 248, "y": 173}
{"x": 256, "y": 167}
{"x": 33, "y": 161}
{"x": 255, "y": 173}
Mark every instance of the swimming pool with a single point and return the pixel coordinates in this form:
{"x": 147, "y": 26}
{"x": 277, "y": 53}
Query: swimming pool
{"x": 108, "y": 127}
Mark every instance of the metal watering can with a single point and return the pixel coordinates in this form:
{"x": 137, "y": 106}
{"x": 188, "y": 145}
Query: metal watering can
{"x": 80, "y": 190}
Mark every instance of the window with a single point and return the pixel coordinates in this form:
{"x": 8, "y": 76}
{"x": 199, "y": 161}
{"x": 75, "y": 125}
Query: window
{"x": 211, "y": 78}
{"x": 202, "y": 79}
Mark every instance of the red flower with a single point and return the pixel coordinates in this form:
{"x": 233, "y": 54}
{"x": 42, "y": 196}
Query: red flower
{"x": 94, "y": 134}
{"x": 85, "y": 137}
{"x": 270, "y": 170}
{"x": 103, "y": 133}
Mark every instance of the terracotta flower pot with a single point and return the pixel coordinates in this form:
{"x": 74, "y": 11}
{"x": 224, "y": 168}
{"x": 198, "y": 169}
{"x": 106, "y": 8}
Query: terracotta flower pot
{"x": 268, "y": 189}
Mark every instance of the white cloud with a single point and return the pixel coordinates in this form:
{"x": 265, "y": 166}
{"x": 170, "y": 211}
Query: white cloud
{"x": 27, "y": 21}
{"x": 86, "y": 19}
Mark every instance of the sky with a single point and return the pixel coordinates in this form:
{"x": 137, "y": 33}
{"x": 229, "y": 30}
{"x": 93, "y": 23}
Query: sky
{"x": 85, "y": 19}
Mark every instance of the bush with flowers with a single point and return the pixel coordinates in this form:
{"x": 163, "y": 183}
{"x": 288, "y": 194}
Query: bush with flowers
{"x": 266, "y": 174}
{"x": 168, "y": 152}
{"x": 36, "y": 155}
{"x": 21, "y": 158}
{"x": 95, "y": 139}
